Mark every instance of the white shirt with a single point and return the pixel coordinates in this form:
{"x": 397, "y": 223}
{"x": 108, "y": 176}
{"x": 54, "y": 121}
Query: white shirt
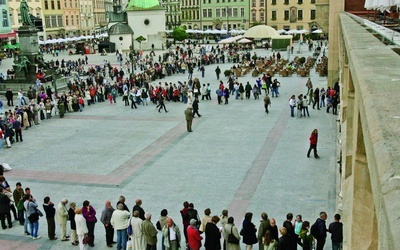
{"x": 172, "y": 234}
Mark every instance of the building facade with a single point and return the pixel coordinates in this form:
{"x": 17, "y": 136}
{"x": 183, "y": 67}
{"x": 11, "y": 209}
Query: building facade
{"x": 71, "y": 18}
{"x": 173, "y": 14}
{"x": 5, "y": 27}
{"x": 87, "y": 17}
{"x": 191, "y": 14}
{"x": 35, "y": 9}
{"x": 284, "y": 14}
{"x": 53, "y": 18}
{"x": 221, "y": 14}
{"x": 99, "y": 14}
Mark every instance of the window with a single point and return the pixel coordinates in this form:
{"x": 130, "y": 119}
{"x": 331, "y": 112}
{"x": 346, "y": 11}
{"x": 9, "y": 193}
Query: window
{"x": 286, "y": 1}
{"x": 204, "y": 12}
{"x": 300, "y": 14}
{"x": 312, "y": 1}
{"x": 253, "y": 3}
{"x": 70, "y": 3}
{"x": 262, "y": 16}
{"x": 253, "y": 16}
{"x": 65, "y": 4}
{"x": 223, "y": 12}
{"x": 5, "y": 19}
{"x": 312, "y": 14}
{"x": 299, "y": 27}
{"x": 286, "y": 15}
{"x": 72, "y": 20}
{"x": 46, "y": 5}
{"x": 299, "y": 1}
{"x": 59, "y": 4}
{"x": 209, "y": 1}
{"x": 60, "y": 21}
{"x": 286, "y": 27}
{"x": 53, "y": 21}
{"x": 66, "y": 21}
{"x": 241, "y": 12}
{"x": 273, "y": 2}
{"x": 19, "y": 17}
{"x": 262, "y": 3}
{"x": 234, "y": 12}
{"x": 273, "y": 15}
{"x": 52, "y": 5}
{"x": 77, "y": 20}
{"x": 209, "y": 12}
{"x": 47, "y": 21}
{"x": 217, "y": 13}
{"x": 11, "y": 18}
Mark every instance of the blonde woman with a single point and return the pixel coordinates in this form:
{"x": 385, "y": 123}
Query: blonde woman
{"x": 81, "y": 228}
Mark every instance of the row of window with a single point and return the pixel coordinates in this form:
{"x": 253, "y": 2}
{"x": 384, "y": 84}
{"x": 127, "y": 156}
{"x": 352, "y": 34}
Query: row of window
{"x": 286, "y": 15}
{"x": 221, "y": 1}
{"x": 223, "y": 12}
{"x": 191, "y": 15}
{"x": 274, "y": 2}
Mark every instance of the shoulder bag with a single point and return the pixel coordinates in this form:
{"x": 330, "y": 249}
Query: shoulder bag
{"x": 232, "y": 238}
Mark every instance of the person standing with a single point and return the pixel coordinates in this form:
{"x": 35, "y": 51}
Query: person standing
{"x": 336, "y": 230}
{"x": 18, "y": 195}
{"x": 50, "y": 211}
{"x": 106, "y": 220}
{"x": 217, "y": 72}
{"x": 196, "y": 107}
{"x": 172, "y": 235}
{"x": 32, "y": 215}
{"x": 313, "y": 144}
{"x": 62, "y": 218}
{"x": 202, "y": 69}
{"x": 138, "y": 240}
{"x": 231, "y": 229}
{"x": 248, "y": 90}
{"x": 290, "y": 235}
{"x": 120, "y": 222}
{"x": 307, "y": 240}
{"x": 304, "y": 106}
{"x": 316, "y": 98}
{"x": 249, "y": 231}
{"x": 81, "y": 228}
{"x": 150, "y": 232}
{"x": 71, "y": 218}
{"x": 194, "y": 237}
{"x": 321, "y": 230}
{"x": 213, "y": 234}
{"x": 262, "y": 229}
{"x": 292, "y": 104}
{"x": 189, "y": 119}
{"x": 89, "y": 213}
{"x": 5, "y": 210}
{"x": 9, "y": 96}
{"x": 267, "y": 102}
{"x": 138, "y": 207}
{"x": 219, "y": 93}
{"x": 241, "y": 90}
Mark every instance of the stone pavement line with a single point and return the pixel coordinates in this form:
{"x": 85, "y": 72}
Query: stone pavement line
{"x": 117, "y": 176}
{"x": 246, "y": 190}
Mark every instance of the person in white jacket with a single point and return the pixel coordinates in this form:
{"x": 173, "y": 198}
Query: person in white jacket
{"x": 62, "y": 218}
{"x": 81, "y": 228}
{"x": 120, "y": 222}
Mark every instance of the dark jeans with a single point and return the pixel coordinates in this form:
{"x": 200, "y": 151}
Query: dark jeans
{"x": 21, "y": 217}
{"x": 321, "y": 244}
{"x": 90, "y": 226}
{"x": 3, "y": 217}
{"x": 336, "y": 246}
{"x": 151, "y": 247}
{"x": 12, "y": 207}
{"x": 313, "y": 147}
{"x": 51, "y": 227}
{"x": 109, "y": 234}
{"x": 162, "y": 105}
{"x": 18, "y": 133}
{"x": 133, "y": 104}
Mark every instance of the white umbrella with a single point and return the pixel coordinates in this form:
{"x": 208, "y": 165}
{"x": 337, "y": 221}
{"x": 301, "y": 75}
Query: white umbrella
{"x": 103, "y": 35}
{"x": 215, "y": 32}
{"x": 293, "y": 32}
{"x": 233, "y": 31}
{"x": 225, "y": 41}
{"x": 82, "y": 37}
{"x": 40, "y": 42}
{"x": 245, "y": 40}
{"x": 303, "y": 31}
{"x": 281, "y": 31}
{"x": 198, "y": 31}
{"x": 189, "y": 31}
{"x": 382, "y": 5}
{"x": 169, "y": 31}
{"x": 90, "y": 37}
{"x": 317, "y": 32}
{"x": 235, "y": 38}
{"x": 261, "y": 31}
{"x": 208, "y": 31}
{"x": 223, "y": 32}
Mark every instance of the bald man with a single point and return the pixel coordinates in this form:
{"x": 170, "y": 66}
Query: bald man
{"x": 138, "y": 207}
{"x": 106, "y": 220}
{"x": 172, "y": 235}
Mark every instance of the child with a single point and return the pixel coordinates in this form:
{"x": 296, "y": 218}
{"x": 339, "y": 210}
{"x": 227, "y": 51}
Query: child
{"x": 110, "y": 98}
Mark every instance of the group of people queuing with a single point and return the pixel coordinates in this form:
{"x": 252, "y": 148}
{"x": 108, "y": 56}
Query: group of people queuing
{"x": 135, "y": 228}
{"x": 318, "y": 98}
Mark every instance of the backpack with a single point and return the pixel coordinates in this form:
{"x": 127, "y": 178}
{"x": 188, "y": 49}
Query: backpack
{"x": 314, "y": 231}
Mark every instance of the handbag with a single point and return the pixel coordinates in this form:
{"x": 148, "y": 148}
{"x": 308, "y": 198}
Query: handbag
{"x": 232, "y": 239}
{"x": 33, "y": 218}
{"x": 85, "y": 240}
{"x": 39, "y": 212}
{"x": 129, "y": 229}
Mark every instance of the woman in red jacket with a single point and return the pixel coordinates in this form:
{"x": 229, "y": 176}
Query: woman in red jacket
{"x": 193, "y": 234}
{"x": 313, "y": 143}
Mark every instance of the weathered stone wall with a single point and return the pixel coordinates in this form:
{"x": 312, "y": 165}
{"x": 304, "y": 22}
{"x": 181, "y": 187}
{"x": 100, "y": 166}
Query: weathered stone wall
{"x": 370, "y": 123}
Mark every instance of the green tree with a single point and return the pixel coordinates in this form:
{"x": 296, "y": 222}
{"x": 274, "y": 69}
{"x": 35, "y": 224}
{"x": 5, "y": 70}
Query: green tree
{"x": 140, "y": 39}
{"x": 179, "y": 34}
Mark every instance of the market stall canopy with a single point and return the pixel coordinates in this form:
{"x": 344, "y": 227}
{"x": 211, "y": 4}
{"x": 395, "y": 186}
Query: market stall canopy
{"x": 245, "y": 40}
{"x": 317, "y": 32}
{"x": 382, "y": 5}
{"x": 261, "y": 31}
{"x": 281, "y": 31}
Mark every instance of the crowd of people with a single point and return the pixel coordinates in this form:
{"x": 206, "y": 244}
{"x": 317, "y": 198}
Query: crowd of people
{"x": 135, "y": 228}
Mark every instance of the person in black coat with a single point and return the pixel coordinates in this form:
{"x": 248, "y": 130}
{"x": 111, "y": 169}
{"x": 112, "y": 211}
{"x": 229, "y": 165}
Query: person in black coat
{"x": 139, "y": 208}
{"x": 50, "y": 211}
{"x": 248, "y": 230}
{"x": 5, "y": 210}
{"x": 196, "y": 107}
{"x": 71, "y": 218}
{"x": 283, "y": 243}
{"x": 213, "y": 235}
{"x": 290, "y": 235}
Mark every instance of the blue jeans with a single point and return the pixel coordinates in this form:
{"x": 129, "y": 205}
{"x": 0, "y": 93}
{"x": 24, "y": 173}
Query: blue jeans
{"x": 336, "y": 246}
{"x": 121, "y": 239}
{"x": 26, "y": 223}
{"x": 34, "y": 228}
{"x": 291, "y": 111}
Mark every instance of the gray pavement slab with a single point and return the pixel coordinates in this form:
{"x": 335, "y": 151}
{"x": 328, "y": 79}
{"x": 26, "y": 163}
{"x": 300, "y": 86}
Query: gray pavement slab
{"x": 238, "y": 158}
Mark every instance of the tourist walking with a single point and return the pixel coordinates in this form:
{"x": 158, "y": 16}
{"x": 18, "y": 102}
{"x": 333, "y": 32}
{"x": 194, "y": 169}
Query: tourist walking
{"x": 313, "y": 144}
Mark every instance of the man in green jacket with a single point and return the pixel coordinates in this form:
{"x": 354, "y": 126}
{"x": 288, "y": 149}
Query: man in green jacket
{"x": 150, "y": 232}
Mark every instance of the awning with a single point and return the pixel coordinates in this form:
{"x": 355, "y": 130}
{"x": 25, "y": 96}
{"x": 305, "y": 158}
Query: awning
{"x": 7, "y": 35}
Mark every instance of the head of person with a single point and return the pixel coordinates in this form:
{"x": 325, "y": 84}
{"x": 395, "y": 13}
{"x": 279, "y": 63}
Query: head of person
{"x": 283, "y": 231}
{"x": 191, "y": 205}
{"x": 323, "y": 215}
{"x": 46, "y": 200}
{"x": 86, "y": 203}
{"x": 122, "y": 199}
{"x": 170, "y": 222}
{"x": 78, "y": 211}
{"x": 299, "y": 218}
{"x": 267, "y": 237}
{"x": 138, "y": 202}
{"x": 185, "y": 204}
{"x": 72, "y": 205}
{"x": 120, "y": 206}
{"x": 215, "y": 219}
{"x": 147, "y": 216}
{"x": 18, "y": 185}
{"x": 248, "y": 216}
{"x": 272, "y": 222}
{"x": 289, "y": 216}
{"x": 164, "y": 212}
{"x": 264, "y": 216}
{"x": 193, "y": 222}
{"x": 27, "y": 191}
{"x": 136, "y": 214}
{"x": 207, "y": 211}
{"x": 305, "y": 225}
{"x": 230, "y": 220}
{"x": 315, "y": 131}
{"x": 64, "y": 201}
{"x": 224, "y": 213}
{"x": 337, "y": 217}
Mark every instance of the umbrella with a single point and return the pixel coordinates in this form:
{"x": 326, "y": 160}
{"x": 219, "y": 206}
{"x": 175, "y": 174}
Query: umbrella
{"x": 293, "y": 32}
{"x": 40, "y": 42}
{"x": 225, "y": 41}
{"x": 245, "y": 40}
{"x": 281, "y": 31}
{"x": 261, "y": 31}
{"x": 208, "y": 31}
{"x": 9, "y": 46}
{"x": 198, "y": 31}
{"x": 302, "y": 31}
{"x": 317, "y": 32}
{"x": 189, "y": 31}
{"x": 233, "y": 31}
{"x": 382, "y": 5}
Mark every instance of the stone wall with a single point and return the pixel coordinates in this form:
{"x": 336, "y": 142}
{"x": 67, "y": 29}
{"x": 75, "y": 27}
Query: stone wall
{"x": 370, "y": 124}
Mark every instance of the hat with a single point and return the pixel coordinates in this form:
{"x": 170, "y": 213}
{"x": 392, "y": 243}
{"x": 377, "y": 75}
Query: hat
{"x": 193, "y": 222}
